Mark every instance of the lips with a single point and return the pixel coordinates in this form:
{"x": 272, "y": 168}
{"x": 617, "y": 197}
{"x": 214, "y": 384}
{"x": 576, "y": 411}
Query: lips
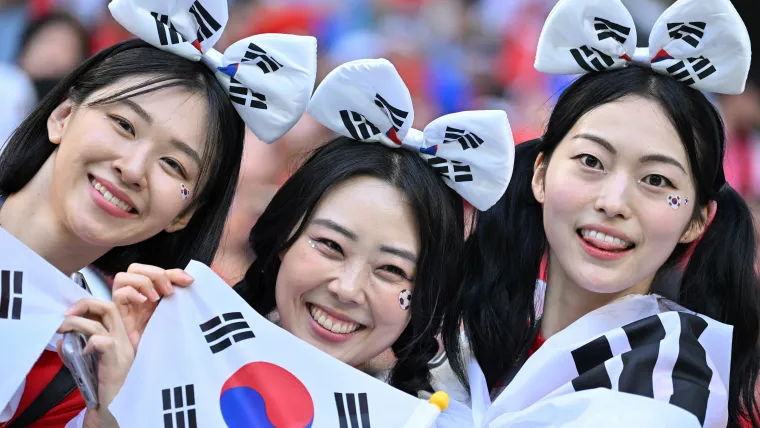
{"x": 331, "y": 323}
{"x": 112, "y": 195}
{"x": 605, "y": 241}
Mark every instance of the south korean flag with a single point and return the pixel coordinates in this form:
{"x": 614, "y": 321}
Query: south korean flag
{"x": 229, "y": 366}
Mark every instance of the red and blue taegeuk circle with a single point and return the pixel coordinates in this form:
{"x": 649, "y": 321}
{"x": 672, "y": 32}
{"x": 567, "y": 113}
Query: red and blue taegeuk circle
{"x": 265, "y": 395}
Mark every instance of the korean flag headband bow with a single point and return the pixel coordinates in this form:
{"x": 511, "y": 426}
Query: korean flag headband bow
{"x": 366, "y": 100}
{"x": 701, "y": 43}
{"x": 269, "y": 77}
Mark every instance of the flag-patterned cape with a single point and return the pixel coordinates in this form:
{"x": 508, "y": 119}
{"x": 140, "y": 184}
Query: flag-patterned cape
{"x": 640, "y": 361}
{"x": 207, "y": 359}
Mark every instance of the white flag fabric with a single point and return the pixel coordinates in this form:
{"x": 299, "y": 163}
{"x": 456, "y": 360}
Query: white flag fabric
{"x": 33, "y": 298}
{"x": 208, "y": 359}
{"x": 269, "y": 77}
{"x": 628, "y": 364}
{"x": 701, "y": 43}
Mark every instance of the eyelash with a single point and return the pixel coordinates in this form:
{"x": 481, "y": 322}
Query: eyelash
{"x": 334, "y": 246}
{"x": 583, "y": 156}
{"x": 175, "y": 166}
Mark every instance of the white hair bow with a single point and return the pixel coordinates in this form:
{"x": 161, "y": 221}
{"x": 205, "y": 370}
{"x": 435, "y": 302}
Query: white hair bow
{"x": 701, "y": 43}
{"x": 269, "y": 77}
{"x": 366, "y": 100}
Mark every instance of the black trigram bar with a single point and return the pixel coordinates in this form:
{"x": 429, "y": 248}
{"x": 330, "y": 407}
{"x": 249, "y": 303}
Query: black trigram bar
{"x": 358, "y": 126}
{"x": 466, "y": 139}
{"x": 460, "y": 173}
{"x": 690, "y": 70}
{"x": 396, "y": 115}
{"x": 348, "y": 417}
{"x": 220, "y": 332}
{"x": 689, "y": 32}
{"x": 10, "y": 299}
{"x": 606, "y": 29}
{"x": 590, "y": 59}
{"x": 241, "y": 95}
{"x": 167, "y": 34}
{"x": 205, "y": 20}
{"x": 180, "y": 412}
{"x": 266, "y": 63}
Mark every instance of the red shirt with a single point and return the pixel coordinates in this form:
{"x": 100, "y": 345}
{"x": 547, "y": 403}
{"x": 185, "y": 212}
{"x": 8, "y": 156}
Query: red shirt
{"x": 42, "y": 373}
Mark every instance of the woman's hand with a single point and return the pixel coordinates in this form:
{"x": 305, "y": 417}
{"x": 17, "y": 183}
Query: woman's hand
{"x": 137, "y": 291}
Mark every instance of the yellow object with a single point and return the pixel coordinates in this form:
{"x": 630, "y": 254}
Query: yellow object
{"x": 440, "y": 399}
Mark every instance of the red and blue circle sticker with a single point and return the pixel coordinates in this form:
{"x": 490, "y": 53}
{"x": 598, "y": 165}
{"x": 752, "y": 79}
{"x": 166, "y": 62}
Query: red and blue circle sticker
{"x": 265, "y": 395}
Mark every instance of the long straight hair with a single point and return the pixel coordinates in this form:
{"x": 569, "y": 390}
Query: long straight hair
{"x": 439, "y": 213}
{"x": 504, "y": 253}
{"x": 29, "y": 146}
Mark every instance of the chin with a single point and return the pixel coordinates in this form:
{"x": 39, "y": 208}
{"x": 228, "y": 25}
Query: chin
{"x": 602, "y": 282}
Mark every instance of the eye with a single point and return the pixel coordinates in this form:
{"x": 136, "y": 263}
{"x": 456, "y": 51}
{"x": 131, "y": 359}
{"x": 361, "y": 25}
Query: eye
{"x": 590, "y": 161}
{"x": 175, "y": 166}
{"x": 657, "y": 180}
{"x": 396, "y": 271}
{"x": 328, "y": 246}
{"x": 123, "y": 124}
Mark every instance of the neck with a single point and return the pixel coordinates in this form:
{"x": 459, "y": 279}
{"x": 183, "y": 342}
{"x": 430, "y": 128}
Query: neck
{"x": 565, "y": 301}
{"x": 30, "y": 216}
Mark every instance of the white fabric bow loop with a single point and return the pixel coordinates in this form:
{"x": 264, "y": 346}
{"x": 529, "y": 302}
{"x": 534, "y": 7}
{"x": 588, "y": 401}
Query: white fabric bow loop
{"x": 368, "y": 101}
{"x": 701, "y": 43}
{"x": 269, "y": 77}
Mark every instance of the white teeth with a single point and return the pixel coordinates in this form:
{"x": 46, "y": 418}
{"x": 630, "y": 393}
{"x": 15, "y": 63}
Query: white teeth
{"x": 109, "y": 197}
{"x": 331, "y": 323}
{"x": 606, "y": 238}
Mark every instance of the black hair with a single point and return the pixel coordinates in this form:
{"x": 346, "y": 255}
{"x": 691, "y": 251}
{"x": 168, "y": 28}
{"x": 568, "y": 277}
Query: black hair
{"x": 505, "y": 250}
{"x": 440, "y": 215}
{"x": 29, "y": 147}
{"x": 57, "y": 17}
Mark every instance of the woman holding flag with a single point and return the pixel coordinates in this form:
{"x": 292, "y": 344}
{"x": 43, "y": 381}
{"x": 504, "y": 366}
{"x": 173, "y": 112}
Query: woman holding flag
{"x": 121, "y": 164}
{"x": 615, "y": 195}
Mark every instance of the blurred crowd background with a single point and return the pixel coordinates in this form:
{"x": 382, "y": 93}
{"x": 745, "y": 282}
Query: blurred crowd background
{"x": 453, "y": 54}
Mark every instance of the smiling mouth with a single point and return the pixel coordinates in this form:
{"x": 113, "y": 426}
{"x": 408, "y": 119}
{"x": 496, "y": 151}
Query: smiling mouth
{"x": 603, "y": 241}
{"x": 331, "y": 324}
{"x": 113, "y": 200}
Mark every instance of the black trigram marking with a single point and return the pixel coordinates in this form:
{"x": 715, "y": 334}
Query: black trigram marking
{"x": 358, "y": 126}
{"x": 348, "y": 416}
{"x": 396, "y": 115}
{"x": 10, "y": 297}
{"x": 466, "y": 139}
{"x": 205, "y": 20}
{"x": 179, "y": 412}
{"x": 606, "y": 29}
{"x": 167, "y": 34}
{"x": 220, "y": 332}
{"x": 266, "y": 63}
{"x": 689, "y": 32}
{"x": 453, "y": 170}
{"x": 690, "y": 70}
{"x": 691, "y": 375}
{"x": 239, "y": 94}
{"x": 591, "y": 59}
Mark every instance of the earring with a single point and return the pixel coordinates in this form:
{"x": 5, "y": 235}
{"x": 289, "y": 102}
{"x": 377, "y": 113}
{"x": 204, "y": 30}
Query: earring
{"x": 405, "y": 299}
{"x": 312, "y": 244}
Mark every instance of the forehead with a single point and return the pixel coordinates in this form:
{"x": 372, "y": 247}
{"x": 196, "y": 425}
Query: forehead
{"x": 371, "y": 208}
{"x": 633, "y": 125}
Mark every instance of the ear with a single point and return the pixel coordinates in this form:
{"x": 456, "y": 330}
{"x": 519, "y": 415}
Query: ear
{"x": 697, "y": 228}
{"x": 180, "y": 222}
{"x": 57, "y": 121}
{"x": 539, "y": 173}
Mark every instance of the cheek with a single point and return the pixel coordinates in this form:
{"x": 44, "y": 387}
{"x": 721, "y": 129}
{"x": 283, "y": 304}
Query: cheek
{"x": 564, "y": 201}
{"x": 301, "y": 271}
{"x": 663, "y": 226}
{"x": 390, "y": 320}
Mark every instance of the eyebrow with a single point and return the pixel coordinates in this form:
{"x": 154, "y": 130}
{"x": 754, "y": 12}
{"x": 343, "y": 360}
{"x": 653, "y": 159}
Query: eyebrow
{"x": 336, "y": 227}
{"x": 644, "y": 159}
{"x": 404, "y": 254}
{"x": 179, "y": 145}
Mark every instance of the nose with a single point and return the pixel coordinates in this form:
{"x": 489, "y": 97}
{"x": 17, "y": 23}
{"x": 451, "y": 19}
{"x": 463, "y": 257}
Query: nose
{"x": 612, "y": 199}
{"x": 132, "y": 166}
{"x": 349, "y": 286}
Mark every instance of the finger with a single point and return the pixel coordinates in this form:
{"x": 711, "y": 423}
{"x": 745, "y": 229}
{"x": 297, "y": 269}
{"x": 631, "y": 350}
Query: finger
{"x": 82, "y": 325}
{"x": 100, "y": 344}
{"x": 179, "y": 277}
{"x": 128, "y": 295}
{"x": 106, "y": 311}
{"x": 144, "y": 284}
{"x": 159, "y": 276}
